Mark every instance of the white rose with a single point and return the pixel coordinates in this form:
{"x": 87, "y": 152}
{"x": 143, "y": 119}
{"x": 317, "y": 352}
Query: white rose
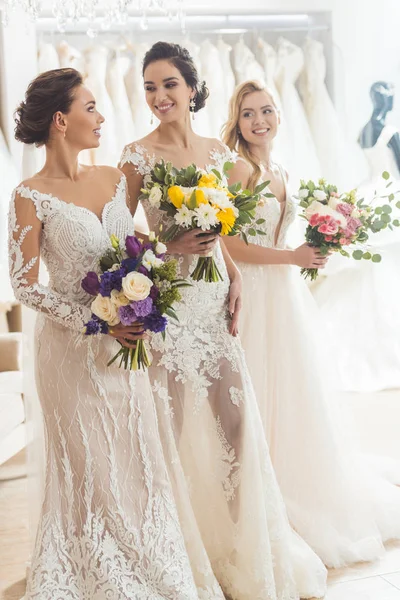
{"x": 323, "y": 209}
{"x": 161, "y": 248}
{"x": 152, "y": 236}
{"x": 103, "y": 308}
{"x": 119, "y": 298}
{"x": 333, "y": 202}
{"x": 355, "y": 213}
{"x": 136, "y": 286}
{"x": 150, "y": 260}
{"x": 319, "y": 195}
{"x": 155, "y": 197}
{"x": 303, "y": 194}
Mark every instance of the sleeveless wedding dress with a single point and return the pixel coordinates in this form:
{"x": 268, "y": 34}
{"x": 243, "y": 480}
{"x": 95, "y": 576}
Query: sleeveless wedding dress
{"x": 338, "y": 507}
{"x": 213, "y": 439}
{"x": 109, "y": 526}
{"x": 365, "y": 311}
{"x": 228, "y": 79}
{"x": 116, "y": 72}
{"x": 342, "y": 161}
{"x": 201, "y": 122}
{"x": 213, "y": 74}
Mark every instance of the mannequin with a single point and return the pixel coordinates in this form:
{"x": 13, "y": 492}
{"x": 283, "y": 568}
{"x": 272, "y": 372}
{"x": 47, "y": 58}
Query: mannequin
{"x": 382, "y": 98}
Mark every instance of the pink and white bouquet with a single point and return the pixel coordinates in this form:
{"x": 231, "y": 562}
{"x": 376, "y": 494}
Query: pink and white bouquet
{"x": 338, "y": 221}
{"x": 136, "y": 285}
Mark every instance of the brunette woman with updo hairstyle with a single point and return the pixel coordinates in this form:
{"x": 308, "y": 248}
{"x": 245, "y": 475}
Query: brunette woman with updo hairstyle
{"x": 208, "y": 416}
{"x": 108, "y": 525}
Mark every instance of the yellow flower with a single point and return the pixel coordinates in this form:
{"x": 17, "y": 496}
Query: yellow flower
{"x": 201, "y": 198}
{"x": 176, "y": 196}
{"x": 227, "y": 219}
{"x": 208, "y": 180}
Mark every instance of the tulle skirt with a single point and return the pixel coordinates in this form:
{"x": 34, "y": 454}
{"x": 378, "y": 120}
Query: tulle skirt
{"x": 343, "y": 510}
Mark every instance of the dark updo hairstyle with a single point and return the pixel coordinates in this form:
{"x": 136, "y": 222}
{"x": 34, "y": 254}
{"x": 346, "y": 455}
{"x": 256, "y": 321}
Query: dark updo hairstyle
{"x": 50, "y": 92}
{"x": 181, "y": 59}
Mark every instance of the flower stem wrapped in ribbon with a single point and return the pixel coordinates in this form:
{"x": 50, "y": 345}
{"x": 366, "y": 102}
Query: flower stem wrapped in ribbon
{"x": 337, "y": 221}
{"x": 136, "y": 285}
{"x": 193, "y": 198}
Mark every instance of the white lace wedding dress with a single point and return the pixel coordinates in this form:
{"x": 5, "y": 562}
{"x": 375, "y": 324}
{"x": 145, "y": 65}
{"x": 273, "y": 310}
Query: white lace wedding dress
{"x": 109, "y": 526}
{"x": 338, "y": 507}
{"x": 214, "y": 442}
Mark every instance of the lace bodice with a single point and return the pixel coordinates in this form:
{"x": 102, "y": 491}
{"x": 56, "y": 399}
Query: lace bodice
{"x": 72, "y": 240}
{"x": 277, "y": 218}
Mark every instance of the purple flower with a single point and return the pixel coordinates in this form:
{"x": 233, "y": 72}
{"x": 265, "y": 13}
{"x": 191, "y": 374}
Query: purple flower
{"x": 111, "y": 280}
{"x": 155, "y": 322}
{"x": 95, "y": 325}
{"x": 127, "y": 315}
{"x": 143, "y": 270}
{"x": 133, "y": 246}
{"x": 91, "y": 283}
{"x": 154, "y": 292}
{"x": 143, "y": 308}
{"x": 129, "y": 264}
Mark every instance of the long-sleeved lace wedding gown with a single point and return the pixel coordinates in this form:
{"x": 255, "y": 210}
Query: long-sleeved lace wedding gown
{"x": 109, "y": 526}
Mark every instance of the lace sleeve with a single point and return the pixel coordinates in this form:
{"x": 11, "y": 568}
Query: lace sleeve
{"x": 25, "y": 229}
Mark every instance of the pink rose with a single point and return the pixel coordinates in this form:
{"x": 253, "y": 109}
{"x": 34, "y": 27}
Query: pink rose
{"x": 314, "y": 220}
{"x": 345, "y": 209}
{"x": 330, "y": 227}
{"x": 353, "y": 224}
{"x": 343, "y": 241}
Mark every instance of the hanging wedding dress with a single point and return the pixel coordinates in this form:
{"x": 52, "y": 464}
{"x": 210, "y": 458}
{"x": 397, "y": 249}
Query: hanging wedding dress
{"x": 71, "y": 57}
{"x": 228, "y": 80}
{"x": 47, "y": 58}
{"x": 213, "y": 438}
{"x": 109, "y": 526}
{"x": 116, "y": 72}
{"x": 365, "y": 312}
{"x": 201, "y": 122}
{"x": 96, "y": 66}
{"x": 267, "y": 57}
{"x": 245, "y": 65}
{"x": 302, "y": 160}
{"x": 338, "y": 508}
{"x": 213, "y": 73}
{"x": 342, "y": 161}
{"x": 141, "y": 113}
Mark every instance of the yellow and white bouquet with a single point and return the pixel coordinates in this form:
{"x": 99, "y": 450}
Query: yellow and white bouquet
{"x": 200, "y": 199}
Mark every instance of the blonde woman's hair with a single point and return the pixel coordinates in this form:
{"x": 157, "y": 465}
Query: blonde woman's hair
{"x": 230, "y": 130}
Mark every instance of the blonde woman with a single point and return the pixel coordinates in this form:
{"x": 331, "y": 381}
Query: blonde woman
{"x": 327, "y": 501}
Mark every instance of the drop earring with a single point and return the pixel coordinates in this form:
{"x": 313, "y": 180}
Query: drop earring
{"x": 152, "y": 119}
{"x": 192, "y": 106}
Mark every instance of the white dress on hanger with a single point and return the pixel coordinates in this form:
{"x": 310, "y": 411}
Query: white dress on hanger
{"x": 96, "y": 65}
{"x": 342, "y": 161}
{"x": 267, "y": 57}
{"x": 201, "y": 122}
{"x": 225, "y": 51}
{"x": 359, "y": 301}
{"x": 302, "y": 160}
{"x": 245, "y": 65}
{"x": 116, "y": 72}
{"x": 47, "y": 57}
{"x": 141, "y": 113}
{"x": 71, "y": 57}
{"x": 213, "y": 74}
{"x": 338, "y": 507}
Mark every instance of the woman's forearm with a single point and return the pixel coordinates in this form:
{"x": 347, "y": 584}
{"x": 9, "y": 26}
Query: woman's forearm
{"x": 239, "y": 251}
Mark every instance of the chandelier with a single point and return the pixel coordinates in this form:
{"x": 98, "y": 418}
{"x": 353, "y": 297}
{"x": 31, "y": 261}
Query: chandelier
{"x": 97, "y": 14}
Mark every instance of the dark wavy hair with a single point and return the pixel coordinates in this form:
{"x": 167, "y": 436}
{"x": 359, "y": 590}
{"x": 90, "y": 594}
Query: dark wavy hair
{"x": 181, "y": 59}
{"x": 50, "y": 92}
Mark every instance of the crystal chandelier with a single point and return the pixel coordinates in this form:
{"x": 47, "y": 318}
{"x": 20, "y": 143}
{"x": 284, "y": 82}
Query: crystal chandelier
{"x": 98, "y": 14}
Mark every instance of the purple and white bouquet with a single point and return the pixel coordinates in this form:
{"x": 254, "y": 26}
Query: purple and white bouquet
{"x": 136, "y": 285}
